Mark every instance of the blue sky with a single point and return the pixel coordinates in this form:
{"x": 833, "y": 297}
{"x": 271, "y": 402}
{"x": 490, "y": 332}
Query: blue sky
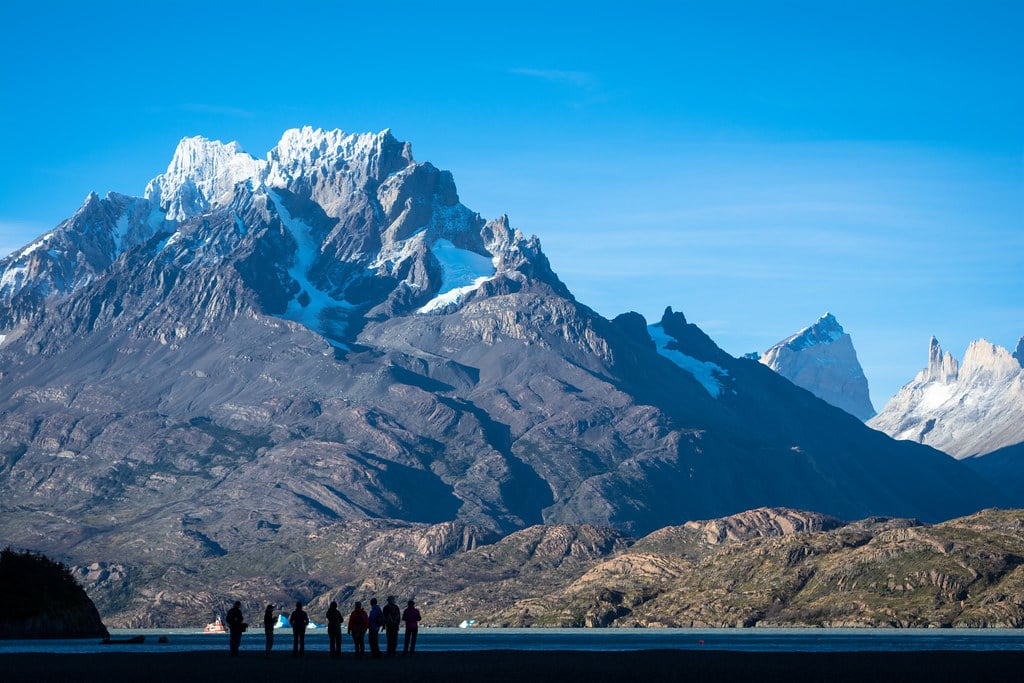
{"x": 752, "y": 164}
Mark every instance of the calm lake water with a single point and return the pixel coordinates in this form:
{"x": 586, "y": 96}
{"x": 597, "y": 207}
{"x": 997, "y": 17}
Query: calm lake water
{"x": 448, "y": 639}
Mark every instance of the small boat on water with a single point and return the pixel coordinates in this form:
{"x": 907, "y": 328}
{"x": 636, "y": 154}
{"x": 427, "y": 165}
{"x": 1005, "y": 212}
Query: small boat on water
{"x": 467, "y": 623}
{"x": 216, "y": 626}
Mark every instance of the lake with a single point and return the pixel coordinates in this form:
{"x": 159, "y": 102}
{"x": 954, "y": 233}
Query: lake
{"x": 455, "y": 639}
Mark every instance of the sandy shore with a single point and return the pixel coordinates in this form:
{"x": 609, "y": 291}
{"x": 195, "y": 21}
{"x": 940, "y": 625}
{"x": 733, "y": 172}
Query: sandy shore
{"x": 523, "y": 667}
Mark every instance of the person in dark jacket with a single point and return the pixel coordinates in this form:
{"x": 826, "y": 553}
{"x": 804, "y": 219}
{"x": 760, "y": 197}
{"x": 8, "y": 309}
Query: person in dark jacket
{"x": 268, "y": 627}
{"x": 392, "y": 620}
{"x": 334, "y": 620}
{"x": 299, "y": 620}
{"x": 236, "y": 624}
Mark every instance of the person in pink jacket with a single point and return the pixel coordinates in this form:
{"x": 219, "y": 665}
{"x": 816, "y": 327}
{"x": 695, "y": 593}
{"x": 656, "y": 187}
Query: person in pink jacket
{"x": 411, "y": 617}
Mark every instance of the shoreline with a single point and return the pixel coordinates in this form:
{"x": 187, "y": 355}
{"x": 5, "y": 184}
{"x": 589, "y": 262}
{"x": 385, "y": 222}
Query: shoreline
{"x": 498, "y": 666}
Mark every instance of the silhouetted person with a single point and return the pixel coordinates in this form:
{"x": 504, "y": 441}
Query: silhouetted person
{"x": 299, "y": 620}
{"x": 375, "y": 619}
{"x": 334, "y": 619}
{"x": 411, "y": 617}
{"x": 392, "y": 620}
{"x": 236, "y": 624}
{"x": 358, "y": 622}
{"x": 268, "y": 627}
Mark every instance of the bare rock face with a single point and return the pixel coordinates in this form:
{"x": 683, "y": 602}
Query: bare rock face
{"x": 267, "y": 366}
{"x": 965, "y": 409}
{"x": 822, "y": 360}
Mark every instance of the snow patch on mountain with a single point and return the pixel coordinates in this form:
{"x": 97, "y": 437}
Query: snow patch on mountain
{"x": 705, "y": 372}
{"x": 311, "y": 307}
{"x": 463, "y": 271}
{"x": 965, "y": 409}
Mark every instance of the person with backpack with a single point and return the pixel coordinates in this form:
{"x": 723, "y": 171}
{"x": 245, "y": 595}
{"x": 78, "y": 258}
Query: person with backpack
{"x": 392, "y": 620}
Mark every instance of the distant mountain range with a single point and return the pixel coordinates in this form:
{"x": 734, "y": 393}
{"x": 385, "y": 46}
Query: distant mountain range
{"x": 973, "y": 411}
{"x": 260, "y": 350}
{"x": 967, "y": 409}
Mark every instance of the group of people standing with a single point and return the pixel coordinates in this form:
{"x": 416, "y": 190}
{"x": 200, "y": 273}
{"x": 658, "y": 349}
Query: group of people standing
{"x": 360, "y": 623}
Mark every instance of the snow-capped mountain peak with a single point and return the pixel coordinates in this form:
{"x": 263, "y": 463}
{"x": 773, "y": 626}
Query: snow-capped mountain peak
{"x": 964, "y": 409}
{"x": 202, "y": 175}
{"x": 367, "y": 157}
{"x": 821, "y": 359}
{"x": 826, "y": 330}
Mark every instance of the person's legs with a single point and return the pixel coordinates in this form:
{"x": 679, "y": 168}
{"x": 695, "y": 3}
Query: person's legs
{"x": 412, "y": 641}
{"x": 392, "y": 637}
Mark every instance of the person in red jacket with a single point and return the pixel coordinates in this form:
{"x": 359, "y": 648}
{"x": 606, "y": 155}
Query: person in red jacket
{"x": 358, "y": 622}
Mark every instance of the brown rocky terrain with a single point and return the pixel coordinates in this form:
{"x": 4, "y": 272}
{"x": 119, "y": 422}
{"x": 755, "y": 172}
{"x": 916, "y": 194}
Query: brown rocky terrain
{"x": 765, "y": 567}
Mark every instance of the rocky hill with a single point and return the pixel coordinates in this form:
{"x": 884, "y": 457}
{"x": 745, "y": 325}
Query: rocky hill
{"x": 42, "y": 599}
{"x": 259, "y": 354}
{"x": 765, "y": 567}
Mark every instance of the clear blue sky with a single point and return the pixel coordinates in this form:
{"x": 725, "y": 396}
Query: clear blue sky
{"x": 752, "y": 164}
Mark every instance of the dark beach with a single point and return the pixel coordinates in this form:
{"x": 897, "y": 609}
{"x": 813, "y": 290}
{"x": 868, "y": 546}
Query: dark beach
{"x": 523, "y": 666}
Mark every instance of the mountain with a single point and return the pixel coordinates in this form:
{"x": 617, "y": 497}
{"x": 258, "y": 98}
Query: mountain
{"x": 965, "y": 409}
{"x": 261, "y": 353}
{"x": 822, "y": 360}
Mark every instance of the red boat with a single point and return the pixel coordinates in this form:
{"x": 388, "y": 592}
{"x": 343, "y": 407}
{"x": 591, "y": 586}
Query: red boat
{"x": 216, "y": 627}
